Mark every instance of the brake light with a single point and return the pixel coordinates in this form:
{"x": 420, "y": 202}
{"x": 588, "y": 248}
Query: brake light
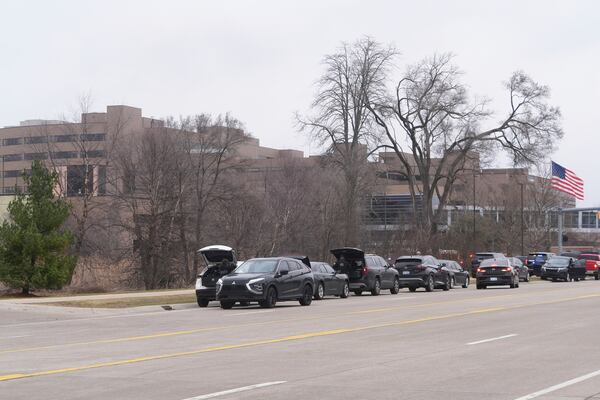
{"x": 365, "y": 271}
{"x": 421, "y": 267}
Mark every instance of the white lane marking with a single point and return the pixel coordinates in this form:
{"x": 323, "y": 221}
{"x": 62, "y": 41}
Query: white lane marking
{"x": 58, "y": 321}
{"x": 492, "y": 339}
{"x": 14, "y": 337}
{"x": 232, "y": 391}
{"x": 249, "y": 313}
{"x": 560, "y": 386}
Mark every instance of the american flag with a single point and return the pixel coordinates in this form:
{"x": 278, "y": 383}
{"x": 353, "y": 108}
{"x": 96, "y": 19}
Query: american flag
{"x": 566, "y": 181}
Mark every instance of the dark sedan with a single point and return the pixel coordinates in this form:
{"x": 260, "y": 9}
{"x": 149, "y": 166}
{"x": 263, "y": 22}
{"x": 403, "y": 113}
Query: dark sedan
{"x": 422, "y": 271}
{"x": 458, "y": 276}
{"x": 267, "y": 281}
{"x": 328, "y": 282}
{"x": 563, "y": 268}
{"x": 496, "y": 272}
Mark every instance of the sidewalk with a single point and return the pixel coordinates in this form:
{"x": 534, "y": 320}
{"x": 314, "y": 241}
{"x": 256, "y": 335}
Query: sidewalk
{"x": 104, "y": 296}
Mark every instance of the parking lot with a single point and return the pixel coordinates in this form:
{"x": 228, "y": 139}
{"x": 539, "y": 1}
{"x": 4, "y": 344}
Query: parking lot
{"x": 460, "y": 344}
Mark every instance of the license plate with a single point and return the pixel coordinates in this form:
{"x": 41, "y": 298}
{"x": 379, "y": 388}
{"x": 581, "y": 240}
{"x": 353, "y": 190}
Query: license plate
{"x": 493, "y": 279}
{"x": 405, "y": 272}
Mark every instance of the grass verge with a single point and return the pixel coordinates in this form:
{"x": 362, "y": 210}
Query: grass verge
{"x": 127, "y": 302}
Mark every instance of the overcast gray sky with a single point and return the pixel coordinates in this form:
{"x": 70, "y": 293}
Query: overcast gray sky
{"x": 259, "y": 59}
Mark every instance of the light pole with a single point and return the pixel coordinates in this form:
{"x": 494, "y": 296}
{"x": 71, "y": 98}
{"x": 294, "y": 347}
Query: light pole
{"x": 474, "y": 207}
{"x": 522, "y": 221}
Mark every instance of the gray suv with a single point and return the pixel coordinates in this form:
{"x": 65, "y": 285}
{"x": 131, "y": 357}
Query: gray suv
{"x": 366, "y": 272}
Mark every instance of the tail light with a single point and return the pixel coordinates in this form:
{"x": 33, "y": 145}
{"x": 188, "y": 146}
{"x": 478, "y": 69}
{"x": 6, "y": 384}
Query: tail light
{"x": 421, "y": 267}
{"x": 365, "y": 271}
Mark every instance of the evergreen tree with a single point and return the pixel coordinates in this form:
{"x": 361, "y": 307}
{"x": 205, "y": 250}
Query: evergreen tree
{"x": 34, "y": 250}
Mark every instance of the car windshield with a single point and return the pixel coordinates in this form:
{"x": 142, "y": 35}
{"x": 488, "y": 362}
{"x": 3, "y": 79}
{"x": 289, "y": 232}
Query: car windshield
{"x": 409, "y": 261}
{"x": 558, "y": 262}
{"x": 538, "y": 256}
{"x": 494, "y": 263}
{"x": 256, "y": 267}
{"x": 594, "y": 257}
{"x": 484, "y": 256}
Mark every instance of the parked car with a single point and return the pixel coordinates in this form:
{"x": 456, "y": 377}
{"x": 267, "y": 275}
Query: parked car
{"x": 267, "y": 280}
{"x": 521, "y": 268}
{"x": 422, "y": 271}
{"x": 563, "y": 268}
{"x": 477, "y": 258}
{"x": 328, "y": 282}
{"x": 496, "y": 272}
{"x": 572, "y": 254}
{"x": 536, "y": 260}
{"x": 218, "y": 261}
{"x": 592, "y": 264}
{"x": 523, "y": 259}
{"x": 366, "y": 272}
{"x": 458, "y": 276}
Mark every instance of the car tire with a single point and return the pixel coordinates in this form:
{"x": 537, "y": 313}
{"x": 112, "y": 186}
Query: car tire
{"x": 568, "y": 278}
{"x": 447, "y": 285}
{"x": 202, "y": 303}
{"x": 227, "y": 304}
{"x": 479, "y": 286}
{"x": 429, "y": 286}
{"x": 270, "y": 300}
{"x": 583, "y": 278}
{"x": 412, "y": 289}
{"x": 358, "y": 292}
{"x": 527, "y": 277}
{"x": 466, "y": 284}
{"x": 452, "y": 282}
{"x": 320, "y": 291}
{"x": 377, "y": 288}
{"x": 396, "y": 287}
{"x": 345, "y": 291}
{"x": 576, "y": 279}
{"x": 307, "y": 296}
{"x": 596, "y": 276}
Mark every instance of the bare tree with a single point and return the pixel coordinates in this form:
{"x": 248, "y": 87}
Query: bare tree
{"x": 434, "y": 127}
{"x": 341, "y": 120}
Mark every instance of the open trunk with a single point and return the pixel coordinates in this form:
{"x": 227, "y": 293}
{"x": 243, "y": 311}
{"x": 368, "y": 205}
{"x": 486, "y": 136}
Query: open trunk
{"x": 349, "y": 261}
{"x": 218, "y": 262}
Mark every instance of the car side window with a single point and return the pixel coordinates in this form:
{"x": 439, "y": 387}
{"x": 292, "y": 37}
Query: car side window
{"x": 283, "y": 266}
{"x": 383, "y": 262}
{"x": 294, "y": 266}
{"x": 328, "y": 269}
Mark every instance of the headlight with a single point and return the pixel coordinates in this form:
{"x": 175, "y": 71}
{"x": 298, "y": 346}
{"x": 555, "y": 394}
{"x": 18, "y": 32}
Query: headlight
{"x": 198, "y": 283}
{"x": 256, "y": 285}
{"x": 218, "y": 285}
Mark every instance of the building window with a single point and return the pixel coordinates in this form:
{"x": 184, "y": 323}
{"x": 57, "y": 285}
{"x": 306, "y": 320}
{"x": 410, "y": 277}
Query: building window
{"x": 36, "y": 139}
{"x": 65, "y": 154}
{"x": 94, "y": 154}
{"x": 35, "y": 156}
{"x": 12, "y": 141}
{"x": 13, "y": 157}
{"x": 80, "y": 180}
{"x": 14, "y": 173}
{"x": 93, "y": 137}
{"x": 64, "y": 138}
{"x": 588, "y": 219}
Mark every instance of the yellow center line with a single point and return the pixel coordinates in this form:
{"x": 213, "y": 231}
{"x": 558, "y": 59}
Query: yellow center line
{"x": 216, "y": 328}
{"x": 14, "y": 376}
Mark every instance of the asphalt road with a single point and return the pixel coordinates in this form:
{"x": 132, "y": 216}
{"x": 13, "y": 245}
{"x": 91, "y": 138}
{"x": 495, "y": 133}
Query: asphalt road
{"x": 541, "y": 340}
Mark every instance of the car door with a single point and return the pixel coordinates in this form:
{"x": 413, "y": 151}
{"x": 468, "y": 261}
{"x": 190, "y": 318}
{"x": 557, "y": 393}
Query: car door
{"x": 388, "y": 272}
{"x": 439, "y": 274}
{"x": 335, "y": 283}
{"x": 284, "y": 279}
{"x": 297, "y": 272}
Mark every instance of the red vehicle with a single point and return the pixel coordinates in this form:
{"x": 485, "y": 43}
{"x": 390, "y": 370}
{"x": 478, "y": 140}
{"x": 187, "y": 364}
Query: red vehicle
{"x": 592, "y": 264}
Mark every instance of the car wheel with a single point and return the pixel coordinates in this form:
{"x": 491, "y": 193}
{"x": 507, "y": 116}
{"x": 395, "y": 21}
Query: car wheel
{"x": 227, "y": 304}
{"x": 596, "y": 276}
{"x": 583, "y": 278}
{"x": 452, "y": 282}
{"x": 466, "y": 284}
{"x": 396, "y": 288}
{"x": 358, "y": 292}
{"x": 527, "y": 277}
{"x": 320, "y": 291}
{"x": 568, "y": 278}
{"x": 377, "y": 288}
{"x": 447, "y": 286}
{"x": 202, "y": 303}
{"x": 307, "y": 296}
{"x": 345, "y": 291}
{"x": 479, "y": 286}
{"x": 429, "y": 286}
{"x": 270, "y": 300}
{"x": 412, "y": 289}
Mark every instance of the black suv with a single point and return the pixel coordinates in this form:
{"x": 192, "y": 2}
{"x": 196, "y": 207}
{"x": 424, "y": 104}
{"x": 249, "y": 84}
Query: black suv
{"x": 366, "y": 272}
{"x": 267, "y": 280}
{"x": 422, "y": 271}
{"x": 218, "y": 262}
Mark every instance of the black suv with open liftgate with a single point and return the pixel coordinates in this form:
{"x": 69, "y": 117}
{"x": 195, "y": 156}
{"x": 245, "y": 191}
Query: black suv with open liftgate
{"x": 218, "y": 261}
{"x": 267, "y": 281}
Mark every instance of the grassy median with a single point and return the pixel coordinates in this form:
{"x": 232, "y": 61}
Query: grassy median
{"x": 127, "y": 302}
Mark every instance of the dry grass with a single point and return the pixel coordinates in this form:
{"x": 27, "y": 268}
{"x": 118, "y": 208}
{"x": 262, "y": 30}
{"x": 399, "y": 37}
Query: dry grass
{"x": 127, "y": 302}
